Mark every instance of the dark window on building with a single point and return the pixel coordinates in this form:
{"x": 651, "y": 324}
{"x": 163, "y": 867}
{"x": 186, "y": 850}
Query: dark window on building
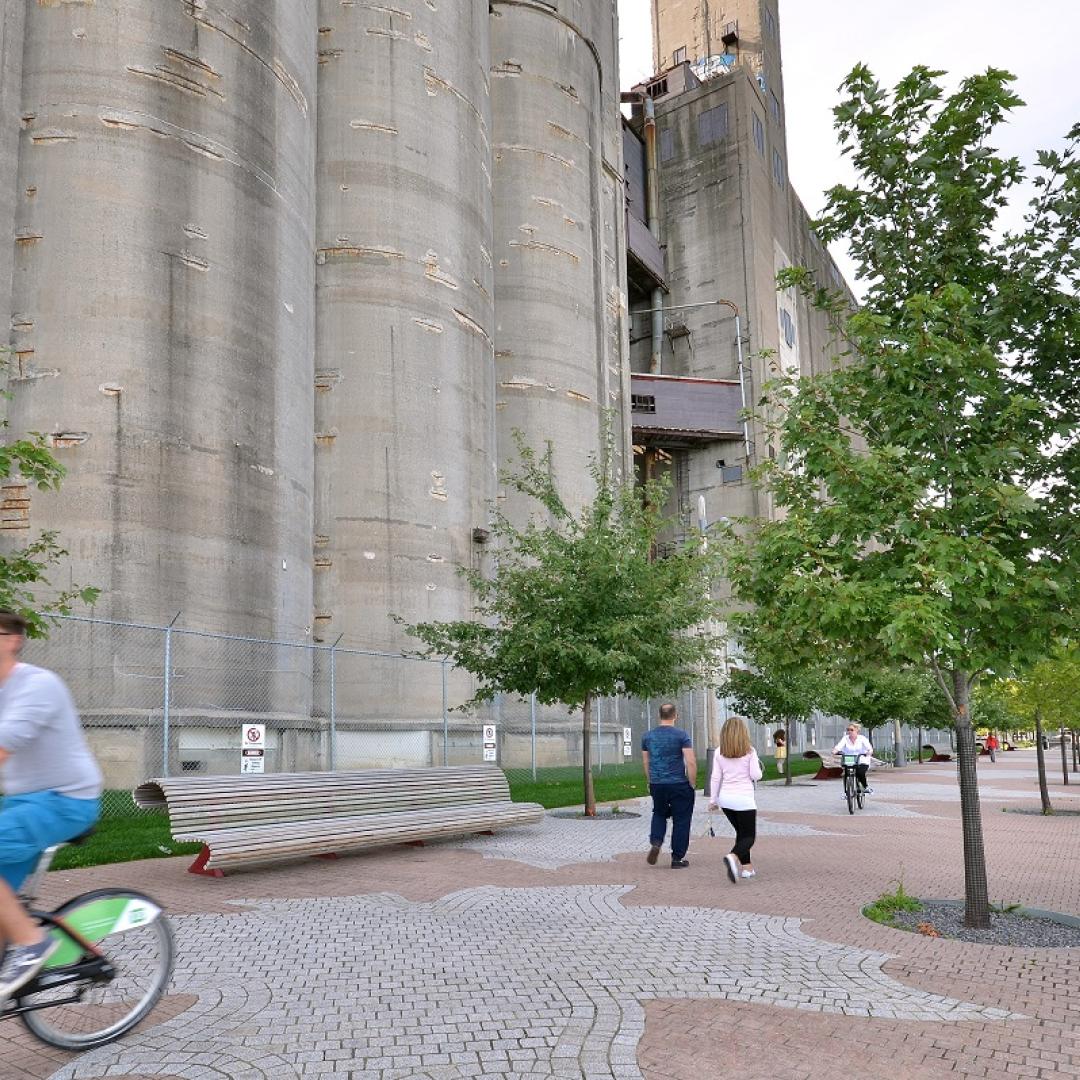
{"x": 680, "y": 55}
{"x": 657, "y": 89}
{"x": 645, "y": 403}
{"x": 712, "y": 125}
{"x": 787, "y": 325}
{"x": 768, "y": 21}
{"x": 731, "y": 474}
{"x": 667, "y": 144}
{"x": 778, "y": 168}
{"x": 759, "y": 132}
{"x": 774, "y": 107}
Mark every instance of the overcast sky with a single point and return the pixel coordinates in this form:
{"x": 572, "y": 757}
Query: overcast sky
{"x": 1037, "y": 40}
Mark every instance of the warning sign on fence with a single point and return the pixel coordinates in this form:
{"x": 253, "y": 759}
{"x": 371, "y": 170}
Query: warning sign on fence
{"x": 490, "y": 745}
{"x": 627, "y": 742}
{"x": 252, "y": 748}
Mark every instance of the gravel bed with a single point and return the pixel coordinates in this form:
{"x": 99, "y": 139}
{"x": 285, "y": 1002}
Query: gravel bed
{"x": 1011, "y": 928}
{"x": 603, "y": 813}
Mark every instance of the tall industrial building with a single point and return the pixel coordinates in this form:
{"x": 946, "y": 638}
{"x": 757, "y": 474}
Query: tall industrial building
{"x": 707, "y": 151}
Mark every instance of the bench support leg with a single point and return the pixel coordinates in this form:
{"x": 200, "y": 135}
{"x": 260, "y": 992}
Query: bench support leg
{"x": 414, "y": 843}
{"x": 327, "y": 855}
{"x": 199, "y": 865}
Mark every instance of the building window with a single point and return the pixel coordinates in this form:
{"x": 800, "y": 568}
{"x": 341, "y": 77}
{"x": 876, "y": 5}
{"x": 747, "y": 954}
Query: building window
{"x": 778, "y": 168}
{"x": 731, "y": 474}
{"x": 657, "y": 89}
{"x": 759, "y": 132}
{"x": 774, "y": 107}
{"x": 643, "y": 403}
{"x": 712, "y": 125}
{"x": 680, "y": 55}
{"x": 667, "y": 144}
{"x": 768, "y": 21}
{"x": 787, "y": 327}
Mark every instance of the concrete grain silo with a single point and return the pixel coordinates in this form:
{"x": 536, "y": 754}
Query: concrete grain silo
{"x": 404, "y": 423}
{"x": 163, "y": 319}
{"x": 559, "y": 221}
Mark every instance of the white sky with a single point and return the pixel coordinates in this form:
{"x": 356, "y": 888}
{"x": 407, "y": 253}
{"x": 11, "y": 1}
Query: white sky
{"x": 1037, "y": 40}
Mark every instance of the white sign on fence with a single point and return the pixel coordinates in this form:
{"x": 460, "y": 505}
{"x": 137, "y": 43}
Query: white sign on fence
{"x": 627, "y": 742}
{"x": 489, "y": 743}
{"x": 252, "y": 748}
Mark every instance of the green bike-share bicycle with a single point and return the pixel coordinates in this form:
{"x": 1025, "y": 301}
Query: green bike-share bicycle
{"x": 113, "y": 964}
{"x": 852, "y": 790}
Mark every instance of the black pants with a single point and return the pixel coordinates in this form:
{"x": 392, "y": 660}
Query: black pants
{"x": 744, "y": 822}
{"x": 675, "y": 801}
{"x": 860, "y": 772}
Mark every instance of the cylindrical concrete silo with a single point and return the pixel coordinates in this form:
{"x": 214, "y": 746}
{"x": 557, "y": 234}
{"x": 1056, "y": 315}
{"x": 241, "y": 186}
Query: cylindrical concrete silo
{"x": 404, "y": 426}
{"x": 12, "y": 20}
{"x": 164, "y": 305}
{"x": 559, "y": 221}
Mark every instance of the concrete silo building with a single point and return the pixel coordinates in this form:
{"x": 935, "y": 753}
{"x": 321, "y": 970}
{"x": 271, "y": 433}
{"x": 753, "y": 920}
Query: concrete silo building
{"x": 283, "y": 276}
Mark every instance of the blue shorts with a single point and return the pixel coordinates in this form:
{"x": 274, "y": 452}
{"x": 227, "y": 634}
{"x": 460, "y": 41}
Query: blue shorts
{"x": 30, "y": 823}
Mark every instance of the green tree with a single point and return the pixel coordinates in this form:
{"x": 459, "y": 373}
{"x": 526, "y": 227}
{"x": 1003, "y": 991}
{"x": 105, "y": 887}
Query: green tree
{"x": 927, "y": 485}
{"x": 876, "y": 696}
{"x": 579, "y": 605}
{"x": 1049, "y": 693}
{"x": 24, "y": 570}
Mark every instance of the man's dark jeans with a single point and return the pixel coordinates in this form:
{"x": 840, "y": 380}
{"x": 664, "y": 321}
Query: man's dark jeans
{"x": 675, "y": 801}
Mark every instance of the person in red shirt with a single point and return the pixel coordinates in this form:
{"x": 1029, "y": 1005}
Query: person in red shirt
{"x": 992, "y": 746}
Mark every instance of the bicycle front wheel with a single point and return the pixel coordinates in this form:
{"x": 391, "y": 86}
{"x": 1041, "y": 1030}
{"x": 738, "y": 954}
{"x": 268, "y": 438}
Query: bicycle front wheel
{"x": 136, "y": 938}
{"x": 849, "y": 791}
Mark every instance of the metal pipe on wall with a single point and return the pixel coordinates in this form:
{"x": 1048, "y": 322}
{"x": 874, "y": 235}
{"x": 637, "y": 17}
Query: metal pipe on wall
{"x": 652, "y": 212}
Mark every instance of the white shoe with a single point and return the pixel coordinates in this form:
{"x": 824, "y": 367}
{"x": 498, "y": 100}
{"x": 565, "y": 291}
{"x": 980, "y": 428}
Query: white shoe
{"x": 749, "y": 873}
{"x": 732, "y": 868}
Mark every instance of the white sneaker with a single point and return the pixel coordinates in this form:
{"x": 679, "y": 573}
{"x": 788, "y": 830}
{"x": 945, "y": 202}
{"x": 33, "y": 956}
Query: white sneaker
{"x": 732, "y": 868}
{"x": 749, "y": 873}
{"x": 22, "y": 962}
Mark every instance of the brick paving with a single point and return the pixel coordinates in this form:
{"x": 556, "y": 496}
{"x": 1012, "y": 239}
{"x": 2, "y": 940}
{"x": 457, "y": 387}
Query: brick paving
{"x": 548, "y": 951}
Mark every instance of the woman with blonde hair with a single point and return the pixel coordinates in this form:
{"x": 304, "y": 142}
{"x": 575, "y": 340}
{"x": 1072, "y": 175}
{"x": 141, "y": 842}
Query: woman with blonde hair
{"x": 735, "y": 769}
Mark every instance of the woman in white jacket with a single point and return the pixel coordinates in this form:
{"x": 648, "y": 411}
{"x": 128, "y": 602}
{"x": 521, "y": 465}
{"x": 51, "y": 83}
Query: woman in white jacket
{"x": 735, "y": 770}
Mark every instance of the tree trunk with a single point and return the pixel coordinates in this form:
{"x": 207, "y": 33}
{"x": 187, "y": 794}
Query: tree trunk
{"x": 1064, "y": 759}
{"x": 1076, "y": 752}
{"x": 898, "y": 746}
{"x": 976, "y": 893}
{"x": 1040, "y": 757}
{"x": 787, "y": 760}
{"x": 586, "y": 756}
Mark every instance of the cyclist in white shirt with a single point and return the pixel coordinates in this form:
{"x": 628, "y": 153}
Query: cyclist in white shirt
{"x": 854, "y": 743}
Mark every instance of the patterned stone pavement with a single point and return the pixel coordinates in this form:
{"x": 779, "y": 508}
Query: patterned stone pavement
{"x": 483, "y": 982}
{"x": 555, "y": 950}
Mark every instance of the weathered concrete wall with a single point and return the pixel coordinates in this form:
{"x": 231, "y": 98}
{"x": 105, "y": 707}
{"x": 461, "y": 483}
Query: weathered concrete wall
{"x": 12, "y": 21}
{"x": 404, "y": 422}
{"x": 164, "y": 294}
{"x": 560, "y": 338}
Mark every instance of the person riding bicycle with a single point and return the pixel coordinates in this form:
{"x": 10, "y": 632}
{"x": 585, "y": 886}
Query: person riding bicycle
{"x": 52, "y": 792}
{"x": 854, "y": 744}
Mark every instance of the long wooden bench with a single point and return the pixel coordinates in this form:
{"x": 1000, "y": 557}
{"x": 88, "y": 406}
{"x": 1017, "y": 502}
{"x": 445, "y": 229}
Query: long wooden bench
{"x": 825, "y": 772}
{"x": 245, "y": 820}
{"x": 936, "y": 754}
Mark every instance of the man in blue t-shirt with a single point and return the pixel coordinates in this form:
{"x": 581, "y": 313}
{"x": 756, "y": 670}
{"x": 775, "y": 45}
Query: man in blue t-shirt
{"x": 670, "y": 770}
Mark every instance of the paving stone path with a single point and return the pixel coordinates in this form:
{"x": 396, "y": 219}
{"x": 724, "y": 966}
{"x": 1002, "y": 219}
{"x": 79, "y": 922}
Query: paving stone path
{"x": 493, "y": 982}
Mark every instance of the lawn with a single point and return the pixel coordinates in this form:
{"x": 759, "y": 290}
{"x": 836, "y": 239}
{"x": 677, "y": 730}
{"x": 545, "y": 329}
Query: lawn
{"x": 125, "y": 833}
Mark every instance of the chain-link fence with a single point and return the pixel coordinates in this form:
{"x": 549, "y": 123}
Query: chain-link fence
{"x": 167, "y": 700}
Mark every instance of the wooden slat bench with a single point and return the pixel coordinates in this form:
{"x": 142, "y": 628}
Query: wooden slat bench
{"x": 245, "y": 820}
{"x": 825, "y": 772}
{"x": 936, "y": 754}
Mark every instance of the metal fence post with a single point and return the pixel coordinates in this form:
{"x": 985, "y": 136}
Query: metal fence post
{"x": 532, "y": 728}
{"x": 166, "y": 696}
{"x": 445, "y": 716}
{"x": 332, "y": 754}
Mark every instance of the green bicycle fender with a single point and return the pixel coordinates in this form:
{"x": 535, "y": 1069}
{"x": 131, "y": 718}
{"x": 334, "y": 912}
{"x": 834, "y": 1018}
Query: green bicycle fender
{"x": 96, "y": 920}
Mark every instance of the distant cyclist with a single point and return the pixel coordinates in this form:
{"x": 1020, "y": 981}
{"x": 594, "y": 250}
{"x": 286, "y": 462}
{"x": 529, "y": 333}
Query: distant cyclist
{"x": 855, "y": 744}
{"x": 992, "y": 746}
{"x": 52, "y": 792}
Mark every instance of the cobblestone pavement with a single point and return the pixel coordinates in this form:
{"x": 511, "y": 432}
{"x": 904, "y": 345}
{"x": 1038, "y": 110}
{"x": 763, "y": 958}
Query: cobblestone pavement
{"x": 483, "y": 982}
{"x": 572, "y": 957}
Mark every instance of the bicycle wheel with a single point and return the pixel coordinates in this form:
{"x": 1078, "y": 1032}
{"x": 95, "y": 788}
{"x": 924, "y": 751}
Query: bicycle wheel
{"x": 136, "y": 938}
{"x": 849, "y": 791}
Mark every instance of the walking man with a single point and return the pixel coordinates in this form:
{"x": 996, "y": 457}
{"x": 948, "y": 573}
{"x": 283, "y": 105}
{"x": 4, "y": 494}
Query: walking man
{"x": 52, "y": 788}
{"x": 670, "y": 771}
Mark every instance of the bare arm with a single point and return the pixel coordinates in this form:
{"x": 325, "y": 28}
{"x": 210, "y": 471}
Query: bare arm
{"x": 4, "y": 755}
{"x": 645, "y": 764}
{"x": 690, "y": 762}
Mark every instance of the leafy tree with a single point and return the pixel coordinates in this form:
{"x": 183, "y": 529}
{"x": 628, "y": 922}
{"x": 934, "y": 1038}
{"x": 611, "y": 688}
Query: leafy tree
{"x": 1049, "y": 693}
{"x": 874, "y": 696}
{"x": 580, "y": 606}
{"x": 24, "y": 570}
{"x": 771, "y": 691}
{"x": 927, "y": 485}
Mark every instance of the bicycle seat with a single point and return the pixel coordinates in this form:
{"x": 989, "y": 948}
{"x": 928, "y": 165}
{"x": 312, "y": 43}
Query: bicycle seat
{"x": 83, "y": 836}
